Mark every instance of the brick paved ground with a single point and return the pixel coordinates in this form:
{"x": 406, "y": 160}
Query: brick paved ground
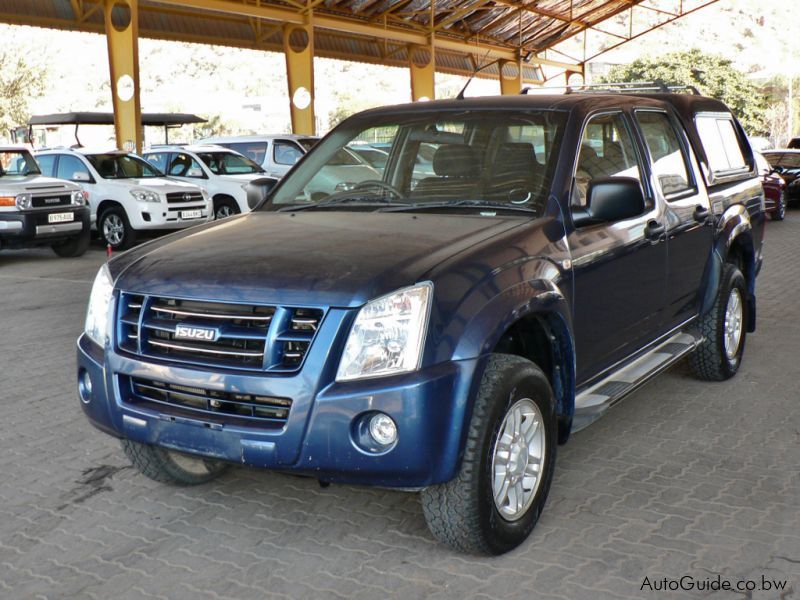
{"x": 684, "y": 478}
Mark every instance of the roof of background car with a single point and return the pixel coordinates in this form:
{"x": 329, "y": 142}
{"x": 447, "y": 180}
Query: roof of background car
{"x": 781, "y": 151}
{"x": 253, "y": 138}
{"x": 14, "y": 148}
{"x": 82, "y": 151}
{"x": 189, "y": 148}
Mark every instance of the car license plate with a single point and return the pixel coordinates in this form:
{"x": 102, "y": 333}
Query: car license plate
{"x": 60, "y": 217}
{"x": 191, "y": 214}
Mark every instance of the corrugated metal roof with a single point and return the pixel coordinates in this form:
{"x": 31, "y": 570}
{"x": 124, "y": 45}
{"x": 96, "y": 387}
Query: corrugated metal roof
{"x": 376, "y": 31}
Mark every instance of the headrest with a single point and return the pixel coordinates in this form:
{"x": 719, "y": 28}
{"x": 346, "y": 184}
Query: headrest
{"x": 455, "y": 160}
{"x": 515, "y": 156}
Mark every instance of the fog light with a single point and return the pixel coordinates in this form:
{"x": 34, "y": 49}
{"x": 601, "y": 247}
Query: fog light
{"x": 85, "y": 386}
{"x": 382, "y": 429}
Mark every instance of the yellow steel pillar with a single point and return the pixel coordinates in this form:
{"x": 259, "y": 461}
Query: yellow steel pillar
{"x": 422, "y": 63}
{"x": 510, "y": 77}
{"x": 122, "y": 33}
{"x": 298, "y": 47}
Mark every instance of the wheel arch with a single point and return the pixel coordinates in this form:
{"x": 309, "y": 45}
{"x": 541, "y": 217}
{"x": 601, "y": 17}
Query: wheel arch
{"x": 224, "y": 197}
{"x": 106, "y": 204}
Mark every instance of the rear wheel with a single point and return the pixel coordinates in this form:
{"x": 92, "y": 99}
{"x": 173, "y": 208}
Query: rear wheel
{"x": 115, "y": 228}
{"x": 73, "y": 247}
{"x": 724, "y": 329}
{"x": 780, "y": 209}
{"x": 169, "y": 466}
{"x": 494, "y": 502}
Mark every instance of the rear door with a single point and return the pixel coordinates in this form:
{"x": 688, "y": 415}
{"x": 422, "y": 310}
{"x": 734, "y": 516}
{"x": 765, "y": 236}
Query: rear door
{"x": 688, "y": 212}
{"x": 619, "y": 268}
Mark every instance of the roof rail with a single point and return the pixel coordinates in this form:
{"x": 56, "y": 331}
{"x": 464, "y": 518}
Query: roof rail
{"x": 624, "y": 87}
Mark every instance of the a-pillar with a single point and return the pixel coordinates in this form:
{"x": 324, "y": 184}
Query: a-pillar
{"x": 298, "y": 47}
{"x": 122, "y": 33}
{"x": 510, "y": 77}
{"x": 422, "y": 64}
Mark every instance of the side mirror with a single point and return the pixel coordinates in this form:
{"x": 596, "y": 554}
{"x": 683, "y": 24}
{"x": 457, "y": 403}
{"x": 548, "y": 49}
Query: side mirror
{"x": 80, "y": 176}
{"x": 258, "y": 190}
{"x": 609, "y": 200}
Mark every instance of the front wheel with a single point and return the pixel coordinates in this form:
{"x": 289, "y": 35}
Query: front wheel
{"x": 225, "y": 208}
{"x": 115, "y": 228}
{"x": 495, "y": 500}
{"x": 780, "y": 210}
{"x": 169, "y": 466}
{"x": 73, "y": 247}
{"x": 724, "y": 330}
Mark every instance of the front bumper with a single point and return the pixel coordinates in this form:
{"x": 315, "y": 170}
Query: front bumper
{"x": 20, "y": 229}
{"x": 430, "y": 408}
{"x": 161, "y": 216}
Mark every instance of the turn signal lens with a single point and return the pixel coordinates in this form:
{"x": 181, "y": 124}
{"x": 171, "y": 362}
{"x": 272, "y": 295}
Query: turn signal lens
{"x": 8, "y": 200}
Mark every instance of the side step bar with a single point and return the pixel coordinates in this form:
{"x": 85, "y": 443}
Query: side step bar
{"x": 593, "y": 402}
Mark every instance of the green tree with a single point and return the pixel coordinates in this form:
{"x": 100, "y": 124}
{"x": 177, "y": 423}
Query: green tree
{"x": 20, "y": 83}
{"x": 712, "y": 74}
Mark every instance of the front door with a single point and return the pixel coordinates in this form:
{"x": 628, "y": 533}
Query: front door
{"x": 619, "y": 268}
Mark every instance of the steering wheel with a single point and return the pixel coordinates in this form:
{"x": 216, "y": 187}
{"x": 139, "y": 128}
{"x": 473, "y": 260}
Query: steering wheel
{"x": 381, "y": 184}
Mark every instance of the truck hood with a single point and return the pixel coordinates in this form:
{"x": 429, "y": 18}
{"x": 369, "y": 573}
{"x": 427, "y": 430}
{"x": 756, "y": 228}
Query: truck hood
{"x": 314, "y": 258}
{"x": 34, "y": 184}
{"x": 157, "y": 184}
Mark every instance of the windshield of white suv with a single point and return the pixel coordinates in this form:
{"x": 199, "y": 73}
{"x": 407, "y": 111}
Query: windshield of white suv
{"x": 436, "y": 161}
{"x": 122, "y": 166}
{"x": 17, "y": 163}
{"x": 228, "y": 163}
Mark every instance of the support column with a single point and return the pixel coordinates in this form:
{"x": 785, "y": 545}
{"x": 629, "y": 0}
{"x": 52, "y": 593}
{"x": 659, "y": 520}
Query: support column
{"x": 422, "y": 63}
{"x": 510, "y": 77}
{"x": 122, "y": 33}
{"x": 298, "y": 47}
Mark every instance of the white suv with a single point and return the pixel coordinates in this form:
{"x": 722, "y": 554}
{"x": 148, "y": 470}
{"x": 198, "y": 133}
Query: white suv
{"x": 126, "y": 194}
{"x": 223, "y": 173}
{"x": 275, "y": 153}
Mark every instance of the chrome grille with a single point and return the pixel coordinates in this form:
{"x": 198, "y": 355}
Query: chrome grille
{"x": 211, "y": 405}
{"x": 216, "y": 334}
{"x": 184, "y": 197}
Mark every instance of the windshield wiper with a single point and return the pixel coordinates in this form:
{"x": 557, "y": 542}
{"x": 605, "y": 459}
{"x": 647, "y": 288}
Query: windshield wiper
{"x": 460, "y": 204}
{"x": 334, "y": 200}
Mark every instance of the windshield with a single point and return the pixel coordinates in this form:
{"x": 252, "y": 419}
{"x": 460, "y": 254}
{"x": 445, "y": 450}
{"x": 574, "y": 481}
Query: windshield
{"x": 228, "y": 163}
{"x": 122, "y": 166}
{"x": 17, "y": 163}
{"x": 441, "y": 160}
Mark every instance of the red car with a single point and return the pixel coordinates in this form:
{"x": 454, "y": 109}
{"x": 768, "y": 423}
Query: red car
{"x": 774, "y": 189}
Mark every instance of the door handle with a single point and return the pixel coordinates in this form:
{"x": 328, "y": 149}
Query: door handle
{"x": 654, "y": 230}
{"x": 701, "y": 214}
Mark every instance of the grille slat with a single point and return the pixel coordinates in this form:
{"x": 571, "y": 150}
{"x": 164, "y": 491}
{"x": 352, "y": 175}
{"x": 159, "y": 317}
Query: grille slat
{"x": 212, "y": 405}
{"x": 217, "y": 334}
{"x": 184, "y": 197}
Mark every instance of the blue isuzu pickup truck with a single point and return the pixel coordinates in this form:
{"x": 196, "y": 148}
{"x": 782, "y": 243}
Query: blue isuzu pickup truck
{"x": 443, "y": 327}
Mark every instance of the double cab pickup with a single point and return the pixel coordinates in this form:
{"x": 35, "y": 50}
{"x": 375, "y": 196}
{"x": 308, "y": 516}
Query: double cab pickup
{"x": 441, "y": 334}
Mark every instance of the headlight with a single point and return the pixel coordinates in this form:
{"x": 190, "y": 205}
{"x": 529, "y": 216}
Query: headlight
{"x": 23, "y": 201}
{"x": 97, "y": 314}
{"x": 388, "y": 335}
{"x": 145, "y": 196}
{"x": 80, "y": 197}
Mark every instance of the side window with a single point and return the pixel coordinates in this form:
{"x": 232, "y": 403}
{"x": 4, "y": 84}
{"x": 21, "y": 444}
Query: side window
{"x": 183, "y": 165}
{"x": 255, "y": 151}
{"x": 47, "y": 164}
{"x": 670, "y": 165}
{"x": 721, "y": 144}
{"x": 71, "y": 167}
{"x": 285, "y": 153}
{"x": 606, "y": 151}
{"x": 158, "y": 160}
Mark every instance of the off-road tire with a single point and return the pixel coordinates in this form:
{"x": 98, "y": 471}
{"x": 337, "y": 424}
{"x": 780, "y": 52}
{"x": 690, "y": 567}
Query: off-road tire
{"x": 709, "y": 361}
{"x": 129, "y": 235}
{"x": 74, "y": 246}
{"x": 164, "y": 465}
{"x": 461, "y": 512}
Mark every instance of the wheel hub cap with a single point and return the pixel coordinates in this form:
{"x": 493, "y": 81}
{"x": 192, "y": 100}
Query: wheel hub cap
{"x": 113, "y": 230}
{"x": 733, "y": 323}
{"x": 517, "y": 459}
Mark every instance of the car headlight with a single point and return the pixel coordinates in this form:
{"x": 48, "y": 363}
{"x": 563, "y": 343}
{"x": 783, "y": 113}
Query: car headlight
{"x": 145, "y": 196}
{"x": 97, "y": 324}
{"x": 24, "y": 201}
{"x": 388, "y": 335}
{"x": 80, "y": 197}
